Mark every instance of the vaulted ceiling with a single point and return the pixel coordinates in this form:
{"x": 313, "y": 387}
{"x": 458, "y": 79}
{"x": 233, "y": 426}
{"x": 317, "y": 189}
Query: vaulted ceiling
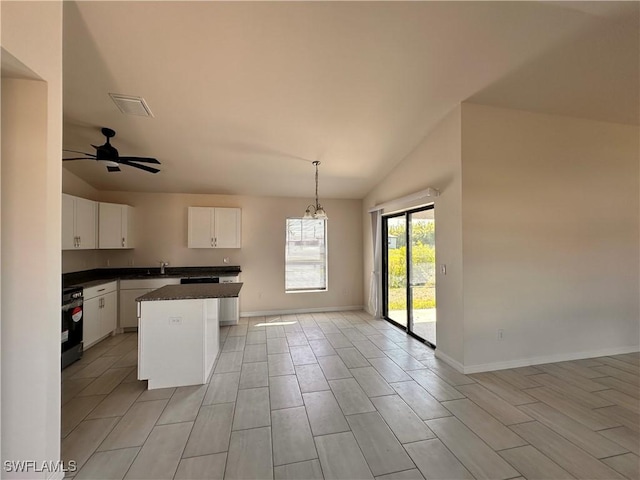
{"x": 246, "y": 95}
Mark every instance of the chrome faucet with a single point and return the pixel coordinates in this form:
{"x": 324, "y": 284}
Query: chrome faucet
{"x": 162, "y": 265}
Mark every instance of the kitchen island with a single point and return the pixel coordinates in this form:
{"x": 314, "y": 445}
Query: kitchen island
{"x": 178, "y": 333}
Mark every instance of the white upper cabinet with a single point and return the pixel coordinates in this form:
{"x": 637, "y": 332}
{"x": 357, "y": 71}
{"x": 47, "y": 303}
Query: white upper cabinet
{"x": 78, "y": 223}
{"x": 115, "y": 225}
{"x": 68, "y": 222}
{"x": 200, "y": 227}
{"x": 214, "y": 227}
{"x": 227, "y": 222}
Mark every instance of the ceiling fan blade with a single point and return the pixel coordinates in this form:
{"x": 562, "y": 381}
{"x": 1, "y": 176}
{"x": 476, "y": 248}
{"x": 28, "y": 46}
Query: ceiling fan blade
{"x": 109, "y": 154}
{"x": 141, "y": 167}
{"x": 76, "y": 151}
{"x": 140, "y": 159}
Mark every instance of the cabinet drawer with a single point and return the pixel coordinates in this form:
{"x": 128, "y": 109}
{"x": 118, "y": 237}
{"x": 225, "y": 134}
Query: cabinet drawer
{"x": 102, "y": 289}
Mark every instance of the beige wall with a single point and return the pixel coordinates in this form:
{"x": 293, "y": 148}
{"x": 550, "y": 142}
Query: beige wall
{"x": 74, "y": 185}
{"x": 550, "y": 232}
{"x": 161, "y": 234}
{"x": 31, "y": 145}
{"x": 538, "y": 226}
{"x": 435, "y": 162}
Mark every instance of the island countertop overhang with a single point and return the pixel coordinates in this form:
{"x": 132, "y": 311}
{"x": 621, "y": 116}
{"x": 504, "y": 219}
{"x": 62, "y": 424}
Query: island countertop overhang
{"x": 193, "y": 291}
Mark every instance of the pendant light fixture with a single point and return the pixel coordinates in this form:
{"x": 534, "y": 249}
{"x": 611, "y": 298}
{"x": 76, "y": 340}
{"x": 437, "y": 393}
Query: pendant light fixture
{"x": 316, "y": 211}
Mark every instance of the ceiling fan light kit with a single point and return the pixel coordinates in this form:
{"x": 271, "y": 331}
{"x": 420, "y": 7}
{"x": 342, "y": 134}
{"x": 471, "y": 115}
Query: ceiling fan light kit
{"x": 315, "y": 211}
{"x": 108, "y": 155}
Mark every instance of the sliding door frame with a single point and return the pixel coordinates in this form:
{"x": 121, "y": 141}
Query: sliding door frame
{"x": 385, "y": 270}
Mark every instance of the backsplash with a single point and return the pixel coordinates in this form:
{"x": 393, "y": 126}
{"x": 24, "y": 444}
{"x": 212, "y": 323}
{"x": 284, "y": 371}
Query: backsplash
{"x": 77, "y": 260}
{"x": 79, "y": 277}
{"x": 80, "y": 260}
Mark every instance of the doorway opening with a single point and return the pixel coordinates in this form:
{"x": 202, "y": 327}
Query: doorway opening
{"x": 409, "y": 272}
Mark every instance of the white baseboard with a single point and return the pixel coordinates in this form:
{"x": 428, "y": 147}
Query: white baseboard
{"x": 526, "y": 362}
{"x": 263, "y": 313}
{"x": 450, "y": 361}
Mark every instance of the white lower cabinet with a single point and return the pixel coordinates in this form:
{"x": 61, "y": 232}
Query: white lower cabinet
{"x": 229, "y": 307}
{"x": 91, "y": 322}
{"x": 132, "y": 289}
{"x": 100, "y": 313}
{"x": 128, "y": 306}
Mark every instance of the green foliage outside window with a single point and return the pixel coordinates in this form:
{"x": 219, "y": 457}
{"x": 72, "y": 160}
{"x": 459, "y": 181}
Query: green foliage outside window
{"x": 423, "y": 264}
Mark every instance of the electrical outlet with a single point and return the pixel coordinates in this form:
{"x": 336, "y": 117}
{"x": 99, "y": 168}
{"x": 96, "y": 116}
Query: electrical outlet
{"x": 175, "y": 320}
{"x": 108, "y": 262}
{"x": 131, "y": 262}
{"x": 500, "y": 335}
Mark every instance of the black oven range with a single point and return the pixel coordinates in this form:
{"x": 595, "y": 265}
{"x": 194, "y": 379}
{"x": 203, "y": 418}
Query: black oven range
{"x": 71, "y": 337}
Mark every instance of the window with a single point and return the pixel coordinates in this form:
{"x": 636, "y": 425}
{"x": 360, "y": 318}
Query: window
{"x": 305, "y": 255}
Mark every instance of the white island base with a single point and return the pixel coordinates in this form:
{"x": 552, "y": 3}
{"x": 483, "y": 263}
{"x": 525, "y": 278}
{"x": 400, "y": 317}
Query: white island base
{"x": 177, "y": 341}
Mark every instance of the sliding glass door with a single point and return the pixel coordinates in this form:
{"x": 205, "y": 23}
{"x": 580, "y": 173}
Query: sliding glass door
{"x": 396, "y": 271}
{"x": 409, "y": 272}
{"x": 422, "y": 274}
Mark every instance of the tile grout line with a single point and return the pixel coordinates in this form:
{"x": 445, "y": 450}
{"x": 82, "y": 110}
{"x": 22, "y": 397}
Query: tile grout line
{"x": 344, "y": 322}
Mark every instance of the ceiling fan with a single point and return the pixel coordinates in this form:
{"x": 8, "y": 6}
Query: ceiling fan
{"x": 108, "y": 154}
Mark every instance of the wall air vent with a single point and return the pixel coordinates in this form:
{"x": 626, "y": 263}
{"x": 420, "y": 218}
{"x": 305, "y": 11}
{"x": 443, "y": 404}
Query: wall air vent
{"x": 130, "y": 105}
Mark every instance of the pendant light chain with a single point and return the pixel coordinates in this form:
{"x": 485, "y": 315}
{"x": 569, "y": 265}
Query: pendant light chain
{"x": 318, "y": 211}
{"x": 316, "y": 163}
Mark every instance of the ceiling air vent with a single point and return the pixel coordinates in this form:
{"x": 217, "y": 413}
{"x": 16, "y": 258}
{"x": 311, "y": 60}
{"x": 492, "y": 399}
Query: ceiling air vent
{"x": 131, "y": 105}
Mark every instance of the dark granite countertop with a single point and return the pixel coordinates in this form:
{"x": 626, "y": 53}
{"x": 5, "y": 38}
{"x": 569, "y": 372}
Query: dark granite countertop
{"x": 193, "y": 291}
{"x": 95, "y": 283}
{"x": 97, "y": 276}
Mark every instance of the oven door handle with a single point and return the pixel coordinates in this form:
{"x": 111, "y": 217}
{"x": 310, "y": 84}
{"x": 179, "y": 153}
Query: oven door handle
{"x": 74, "y": 304}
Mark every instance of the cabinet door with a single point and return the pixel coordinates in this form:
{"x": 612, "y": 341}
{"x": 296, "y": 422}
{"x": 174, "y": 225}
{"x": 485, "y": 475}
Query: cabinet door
{"x": 229, "y": 311}
{"x": 68, "y": 227}
{"x": 85, "y": 215}
{"x": 200, "y": 233}
{"x": 227, "y": 227}
{"x": 109, "y": 225}
{"x": 91, "y": 321}
{"x": 127, "y": 227}
{"x": 109, "y": 313}
{"x": 229, "y": 307}
{"x": 129, "y": 306}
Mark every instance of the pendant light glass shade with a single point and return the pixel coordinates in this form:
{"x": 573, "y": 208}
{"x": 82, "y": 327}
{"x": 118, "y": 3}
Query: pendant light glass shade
{"x": 320, "y": 213}
{"x": 315, "y": 211}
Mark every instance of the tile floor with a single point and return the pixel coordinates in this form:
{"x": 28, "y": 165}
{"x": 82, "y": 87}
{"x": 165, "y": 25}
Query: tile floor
{"x": 339, "y": 395}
